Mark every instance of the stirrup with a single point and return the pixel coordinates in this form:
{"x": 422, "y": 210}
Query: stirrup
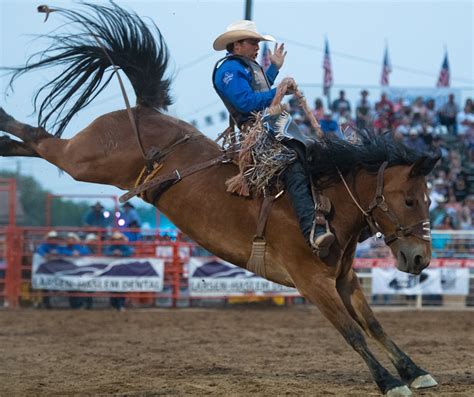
{"x": 321, "y": 243}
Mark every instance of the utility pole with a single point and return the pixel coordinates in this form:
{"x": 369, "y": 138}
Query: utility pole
{"x": 248, "y": 10}
{"x": 18, "y": 168}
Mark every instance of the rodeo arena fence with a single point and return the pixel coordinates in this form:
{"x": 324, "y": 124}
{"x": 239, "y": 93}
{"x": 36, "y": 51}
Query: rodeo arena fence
{"x": 151, "y": 270}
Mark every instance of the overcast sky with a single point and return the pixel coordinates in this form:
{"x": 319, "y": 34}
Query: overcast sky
{"x": 417, "y": 32}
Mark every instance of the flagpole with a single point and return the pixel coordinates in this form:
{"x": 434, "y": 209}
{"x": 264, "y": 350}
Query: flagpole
{"x": 327, "y": 75}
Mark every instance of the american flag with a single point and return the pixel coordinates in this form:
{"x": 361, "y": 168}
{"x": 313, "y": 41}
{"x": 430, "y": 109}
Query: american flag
{"x": 386, "y": 69}
{"x": 443, "y": 79}
{"x": 327, "y": 77}
{"x": 265, "y": 57}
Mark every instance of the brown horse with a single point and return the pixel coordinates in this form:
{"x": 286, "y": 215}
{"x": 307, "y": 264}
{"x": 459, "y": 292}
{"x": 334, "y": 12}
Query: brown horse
{"x": 385, "y": 181}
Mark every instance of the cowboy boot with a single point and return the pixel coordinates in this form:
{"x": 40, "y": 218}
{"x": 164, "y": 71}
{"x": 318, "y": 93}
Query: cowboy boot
{"x": 321, "y": 237}
{"x": 299, "y": 192}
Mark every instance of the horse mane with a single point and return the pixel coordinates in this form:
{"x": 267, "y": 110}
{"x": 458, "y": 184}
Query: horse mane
{"x": 367, "y": 151}
{"x": 140, "y": 52}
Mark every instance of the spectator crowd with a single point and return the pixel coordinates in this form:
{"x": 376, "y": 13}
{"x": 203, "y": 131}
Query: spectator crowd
{"x": 447, "y": 129}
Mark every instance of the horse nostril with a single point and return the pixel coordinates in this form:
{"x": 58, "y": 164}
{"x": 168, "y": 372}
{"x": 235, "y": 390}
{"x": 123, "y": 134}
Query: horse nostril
{"x": 419, "y": 262}
{"x": 403, "y": 257}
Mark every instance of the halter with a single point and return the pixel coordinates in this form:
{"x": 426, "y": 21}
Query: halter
{"x": 420, "y": 229}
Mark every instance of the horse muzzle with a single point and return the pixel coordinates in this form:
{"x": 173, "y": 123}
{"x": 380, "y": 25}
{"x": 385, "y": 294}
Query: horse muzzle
{"x": 413, "y": 259}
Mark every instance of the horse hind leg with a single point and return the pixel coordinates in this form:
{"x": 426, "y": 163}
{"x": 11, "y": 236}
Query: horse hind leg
{"x": 9, "y": 147}
{"x": 354, "y": 300}
{"x": 27, "y": 133}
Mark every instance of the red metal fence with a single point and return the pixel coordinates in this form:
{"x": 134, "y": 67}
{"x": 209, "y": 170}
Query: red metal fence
{"x": 18, "y": 244}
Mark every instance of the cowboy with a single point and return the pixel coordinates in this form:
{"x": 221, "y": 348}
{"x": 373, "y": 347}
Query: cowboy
{"x": 245, "y": 87}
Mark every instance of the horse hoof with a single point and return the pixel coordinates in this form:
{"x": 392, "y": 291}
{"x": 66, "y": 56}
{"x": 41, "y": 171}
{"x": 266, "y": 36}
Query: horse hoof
{"x": 400, "y": 391}
{"x": 423, "y": 382}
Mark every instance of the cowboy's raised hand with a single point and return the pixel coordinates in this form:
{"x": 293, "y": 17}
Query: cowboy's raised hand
{"x": 278, "y": 56}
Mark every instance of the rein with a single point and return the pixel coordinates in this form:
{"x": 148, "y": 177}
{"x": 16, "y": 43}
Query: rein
{"x": 419, "y": 229}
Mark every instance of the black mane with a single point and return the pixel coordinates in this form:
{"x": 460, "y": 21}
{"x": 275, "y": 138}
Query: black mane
{"x": 368, "y": 151}
{"x": 140, "y": 52}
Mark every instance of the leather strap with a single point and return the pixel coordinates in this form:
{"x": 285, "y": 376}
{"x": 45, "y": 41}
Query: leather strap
{"x": 173, "y": 177}
{"x": 263, "y": 217}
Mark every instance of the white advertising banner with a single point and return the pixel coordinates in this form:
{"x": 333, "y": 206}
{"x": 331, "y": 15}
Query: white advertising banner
{"x": 98, "y": 273}
{"x": 431, "y": 282}
{"x": 393, "y": 281}
{"x": 211, "y": 277}
{"x": 454, "y": 281}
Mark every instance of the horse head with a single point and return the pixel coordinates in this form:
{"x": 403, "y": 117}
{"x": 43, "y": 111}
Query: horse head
{"x": 400, "y": 212}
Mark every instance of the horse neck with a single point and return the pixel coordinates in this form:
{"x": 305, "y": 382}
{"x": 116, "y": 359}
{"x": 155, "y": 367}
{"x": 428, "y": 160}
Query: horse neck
{"x": 349, "y": 219}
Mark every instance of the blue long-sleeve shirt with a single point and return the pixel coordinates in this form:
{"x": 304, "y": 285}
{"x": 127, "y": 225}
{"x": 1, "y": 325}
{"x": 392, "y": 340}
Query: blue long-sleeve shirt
{"x": 234, "y": 81}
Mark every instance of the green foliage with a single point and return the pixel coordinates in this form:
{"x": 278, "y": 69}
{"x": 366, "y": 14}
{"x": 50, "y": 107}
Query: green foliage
{"x": 33, "y": 200}
{"x": 63, "y": 212}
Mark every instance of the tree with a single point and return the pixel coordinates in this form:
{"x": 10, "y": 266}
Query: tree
{"x": 32, "y": 198}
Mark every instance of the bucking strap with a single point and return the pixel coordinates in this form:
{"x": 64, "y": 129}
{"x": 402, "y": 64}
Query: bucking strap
{"x": 172, "y": 177}
{"x": 263, "y": 217}
{"x": 256, "y": 262}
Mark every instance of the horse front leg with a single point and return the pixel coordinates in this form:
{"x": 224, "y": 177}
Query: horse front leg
{"x": 354, "y": 300}
{"x": 321, "y": 291}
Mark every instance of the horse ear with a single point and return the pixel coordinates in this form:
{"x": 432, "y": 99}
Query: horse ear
{"x": 423, "y": 166}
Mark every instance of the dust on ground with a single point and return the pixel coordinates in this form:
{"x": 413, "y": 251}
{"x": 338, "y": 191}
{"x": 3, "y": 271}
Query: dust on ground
{"x": 227, "y": 352}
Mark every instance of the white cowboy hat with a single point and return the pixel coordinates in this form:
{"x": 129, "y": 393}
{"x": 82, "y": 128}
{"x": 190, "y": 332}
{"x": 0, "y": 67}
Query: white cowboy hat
{"x": 240, "y": 30}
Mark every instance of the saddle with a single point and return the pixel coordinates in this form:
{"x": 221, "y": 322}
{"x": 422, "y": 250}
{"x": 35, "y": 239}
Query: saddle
{"x": 262, "y": 157}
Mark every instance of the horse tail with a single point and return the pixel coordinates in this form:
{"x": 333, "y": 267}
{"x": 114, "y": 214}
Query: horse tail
{"x": 124, "y": 39}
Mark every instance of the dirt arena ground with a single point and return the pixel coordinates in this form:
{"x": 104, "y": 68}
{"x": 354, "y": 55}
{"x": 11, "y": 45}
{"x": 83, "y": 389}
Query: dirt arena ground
{"x": 229, "y": 352}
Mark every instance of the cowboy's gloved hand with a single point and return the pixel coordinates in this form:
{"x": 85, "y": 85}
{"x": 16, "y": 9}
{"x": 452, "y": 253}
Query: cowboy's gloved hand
{"x": 290, "y": 85}
{"x": 278, "y": 56}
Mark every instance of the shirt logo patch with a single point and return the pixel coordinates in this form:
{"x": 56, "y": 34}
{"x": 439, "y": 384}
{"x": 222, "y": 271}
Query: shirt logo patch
{"x": 228, "y": 76}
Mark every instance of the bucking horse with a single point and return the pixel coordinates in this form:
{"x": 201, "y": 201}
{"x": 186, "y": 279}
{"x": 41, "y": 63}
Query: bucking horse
{"x": 373, "y": 181}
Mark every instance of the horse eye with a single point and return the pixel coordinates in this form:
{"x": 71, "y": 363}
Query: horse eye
{"x": 409, "y": 202}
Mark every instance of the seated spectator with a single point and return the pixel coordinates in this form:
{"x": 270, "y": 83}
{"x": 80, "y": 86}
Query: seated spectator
{"x": 318, "y": 110}
{"x": 118, "y": 247}
{"x": 363, "y": 111}
{"x": 418, "y": 110}
{"x": 465, "y": 216}
{"x": 438, "y": 214}
{"x": 406, "y": 109}
{"x": 404, "y": 127}
{"x": 414, "y": 141}
{"x": 465, "y": 119}
{"x": 329, "y": 125}
{"x": 438, "y": 146}
{"x": 95, "y": 217}
{"x": 92, "y": 241}
{"x": 460, "y": 188}
{"x": 384, "y": 109}
{"x": 438, "y": 193}
{"x": 74, "y": 247}
{"x": 447, "y": 114}
{"x": 426, "y": 134}
{"x": 341, "y": 106}
{"x": 431, "y": 117}
{"x": 50, "y": 248}
{"x": 302, "y": 125}
{"x": 398, "y": 107}
{"x": 129, "y": 219}
{"x": 448, "y": 222}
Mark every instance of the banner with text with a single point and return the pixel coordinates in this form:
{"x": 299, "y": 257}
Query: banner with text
{"x": 431, "y": 282}
{"x": 212, "y": 277}
{"x": 99, "y": 273}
